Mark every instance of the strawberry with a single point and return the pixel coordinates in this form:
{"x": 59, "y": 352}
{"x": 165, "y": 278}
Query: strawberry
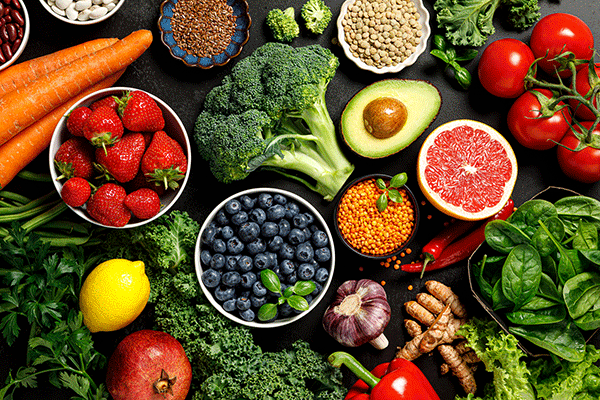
{"x": 103, "y": 127}
{"x": 164, "y": 161}
{"x": 74, "y": 158}
{"x": 143, "y": 203}
{"x": 76, "y": 120}
{"x": 140, "y": 181}
{"x": 76, "y": 191}
{"x": 109, "y": 101}
{"x": 122, "y": 160}
{"x": 140, "y": 113}
{"x": 106, "y": 205}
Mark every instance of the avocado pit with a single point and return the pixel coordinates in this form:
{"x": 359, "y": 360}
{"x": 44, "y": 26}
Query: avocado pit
{"x": 384, "y": 117}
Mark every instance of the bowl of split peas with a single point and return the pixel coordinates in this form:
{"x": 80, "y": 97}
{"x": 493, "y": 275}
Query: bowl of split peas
{"x": 369, "y": 232}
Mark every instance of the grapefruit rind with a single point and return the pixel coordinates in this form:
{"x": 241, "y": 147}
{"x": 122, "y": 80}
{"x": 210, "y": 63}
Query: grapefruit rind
{"x": 457, "y": 210}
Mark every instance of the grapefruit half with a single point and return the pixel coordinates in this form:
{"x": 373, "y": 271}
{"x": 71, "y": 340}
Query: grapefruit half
{"x": 466, "y": 169}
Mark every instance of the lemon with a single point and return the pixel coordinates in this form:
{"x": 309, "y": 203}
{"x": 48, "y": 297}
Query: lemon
{"x": 114, "y": 294}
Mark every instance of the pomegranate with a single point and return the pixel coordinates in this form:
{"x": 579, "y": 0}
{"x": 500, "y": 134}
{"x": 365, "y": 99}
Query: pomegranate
{"x": 149, "y": 365}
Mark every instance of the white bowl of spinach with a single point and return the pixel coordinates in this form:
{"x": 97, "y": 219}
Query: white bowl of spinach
{"x": 538, "y": 273}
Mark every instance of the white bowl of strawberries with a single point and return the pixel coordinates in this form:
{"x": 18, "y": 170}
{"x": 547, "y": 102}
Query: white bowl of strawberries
{"x": 120, "y": 157}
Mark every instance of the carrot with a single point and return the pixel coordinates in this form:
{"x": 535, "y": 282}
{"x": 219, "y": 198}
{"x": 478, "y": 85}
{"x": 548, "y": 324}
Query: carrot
{"x": 22, "y": 107}
{"x": 32, "y": 141}
{"x": 19, "y": 75}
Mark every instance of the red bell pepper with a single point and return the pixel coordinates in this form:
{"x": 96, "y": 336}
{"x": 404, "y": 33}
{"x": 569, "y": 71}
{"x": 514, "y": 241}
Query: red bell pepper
{"x": 399, "y": 379}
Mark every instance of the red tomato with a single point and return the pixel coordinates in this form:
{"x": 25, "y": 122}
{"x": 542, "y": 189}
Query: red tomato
{"x": 502, "y": 67}
{"x": 557, "y": 33}
{"x": 582, "y": 165}
{"x": 530, "y": 128}
{"x": 583, "y": 86}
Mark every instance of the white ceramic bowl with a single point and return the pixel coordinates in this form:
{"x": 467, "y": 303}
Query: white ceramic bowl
{"x": 420, "y": 48}
{"x": 173, "y": 127}
{"x": 318, "y": 220}
{"x": 77, "y": 22}
{"x": 23, "y": 41}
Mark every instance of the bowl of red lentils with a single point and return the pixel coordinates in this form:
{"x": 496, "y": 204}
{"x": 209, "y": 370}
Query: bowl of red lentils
{"x": 204, "y": 33}
{"x": 366, "y": 230}
{"x": 383, "y": 36}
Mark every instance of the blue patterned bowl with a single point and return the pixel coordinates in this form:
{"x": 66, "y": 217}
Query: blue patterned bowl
{"x": 238, "y": 40}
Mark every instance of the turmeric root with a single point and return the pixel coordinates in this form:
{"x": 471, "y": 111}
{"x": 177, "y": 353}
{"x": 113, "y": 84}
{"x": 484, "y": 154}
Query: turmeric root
{"x": 420, "y": 313}
{"x": 430, "y": 302}
{"x": 447, "y": 296}
{"x": 459, "y": 368}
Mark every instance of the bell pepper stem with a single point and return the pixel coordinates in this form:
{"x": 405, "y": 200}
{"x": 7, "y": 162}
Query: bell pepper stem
{"x": 340, "y": 358}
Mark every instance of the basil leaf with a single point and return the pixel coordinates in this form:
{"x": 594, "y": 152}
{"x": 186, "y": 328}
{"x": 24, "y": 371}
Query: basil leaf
{"x": 581, "y": 293}
{"x": 382, "y": 202}
{"x": 380, "y": 184}
{"x": 502, "y": 236}
{"x": 304, "y": 288}
{"x": 528, "y": 215}
{"x": 267, "y": 312}
{"x": 521, "y": 274}
{"x": 395, "y": 196}
{"x": 399, "y": 180}
{"x": 563, "y": 339}
{"x": 298, "y": 302}
{"x": 270, "y": 280}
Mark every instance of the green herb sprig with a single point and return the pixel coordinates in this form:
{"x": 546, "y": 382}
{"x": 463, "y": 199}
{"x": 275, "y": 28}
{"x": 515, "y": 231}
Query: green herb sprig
{"x": 445, "y": 51}
{"x": 390, "y": 191}
{"x": 293, "y": 295}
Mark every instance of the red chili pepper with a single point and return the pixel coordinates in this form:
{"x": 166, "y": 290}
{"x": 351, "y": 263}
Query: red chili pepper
{"x": 398, "y": 380}
{"x": 463, "y": 248}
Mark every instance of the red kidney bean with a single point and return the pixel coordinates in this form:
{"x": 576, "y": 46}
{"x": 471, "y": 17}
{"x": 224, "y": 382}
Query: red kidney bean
{"x": 15, "y": 45}
{"x": 1, "y": 9}
{"x": 4, "y": 34}
{"x": 16, "y": 4}
{"x": 7, "y": 50}
{"x": 20, "y": 32}
{"x": 17, "y": 17}
{"x": 11, "y": 29}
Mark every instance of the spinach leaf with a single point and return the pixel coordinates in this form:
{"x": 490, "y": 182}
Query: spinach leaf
{"x": 486, "y": 273}
{"x": 526, "y": 217}
{"x": 579, "y": 206}
{"x": 592, "y": 256}
{"x": 548, "y": 289}
{"x": 563, "y": 339}
{"x": 542, "y": 241}
{"x": 586, "y": 237}
{"x": 521, "y": 274}
{"x": 548, "y": 315}
{"x": 570, "y": 264}
{"x": 581, "y": 293}
{"x": 550, "y": 268}
{"x": 590, "y": 320}
{"x": 539, "y": 303}
{"x": 499, "y": 300}
{"x": 502, "y": 236}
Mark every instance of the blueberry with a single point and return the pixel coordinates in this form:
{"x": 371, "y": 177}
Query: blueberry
{"x": 258, "y": 215}
{"x": 307, "y": 233}
{"x": 229, "y": 305}
{"x": 257, "y": 301}
{"x": 217, "y": 261}
{"x": 227, "y": 232}
{"x": 211, "y": 278}
{"x": 291, "y": 209}
{"x": 321, "y": 275}
{"x": 231, "y": 262}
{"x": 308, "y": 298}
{"x": 248, "y": 279}
{"x": 239, "y": 218}
{"x": 300, "y": 221}
{"x": 265, "y": 200}
{"x": 269, "y": 229}
{"x": 235, "y": 245}
{"x": 285, "y": 310}
{"x": 245, "y": 263}
{"x": 323, "y": 254}
{"x": 284, "y": 227}
{"x": 209, "y": 234}
{"x": 231, "y": 278}
{"x": 256, "y": 246}
{"x": 261, "y": 261}
{"x": 287, "y": 251}
{"x": 248, "y": 231}
{"x": 296, "y": 236}
{"x": 309, "y": 217}
{"x": 292, "y": 278}
{"x": 221, "y": 218}
{"x": 247, "y": 202}
{"x": 219, "y": 246}
{"x": 313, "y": 228}
{"x": 275, "y": 212}
{"x": 277, "y": 271}
{"x": 304, "y": 252}
{"x": 224, "y": 293}
{"x": 318, "y": 289}
{"x": 259, "y": 289}
{"x": 205, "y": 257}
{"x": 306, "y": 271}
{"x": 242, "y": 303}
{"x": 247, "y": 315}
{"x": 272, "y": 259}
{"x": 320, "y": 239}
{"x": 275, "y": 243}
{"x": 279, "y": 199}
{"x": 287, "y": 267}
{"x": 232, "y": 207}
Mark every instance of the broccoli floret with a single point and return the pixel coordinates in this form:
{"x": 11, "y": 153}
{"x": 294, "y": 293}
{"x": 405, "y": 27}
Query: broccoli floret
{"x": 283, "y": 24}
{"x": 316, "y": 15}
{"x": 270, "y": 112}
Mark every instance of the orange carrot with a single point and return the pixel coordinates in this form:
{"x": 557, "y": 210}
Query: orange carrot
{"x": 22, "y": 107}
{"x": 32, "y": 141}
{"x": 21, "y": 74}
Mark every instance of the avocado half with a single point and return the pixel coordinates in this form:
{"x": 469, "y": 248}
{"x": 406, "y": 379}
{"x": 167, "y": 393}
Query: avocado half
{"x": 399, "y": 126}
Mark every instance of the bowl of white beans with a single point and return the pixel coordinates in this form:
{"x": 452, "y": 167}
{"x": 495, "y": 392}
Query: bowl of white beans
{"x": 82, "y": 12}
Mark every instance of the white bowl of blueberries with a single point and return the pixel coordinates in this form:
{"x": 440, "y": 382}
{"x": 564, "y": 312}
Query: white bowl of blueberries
{"x": 264, "y": 257}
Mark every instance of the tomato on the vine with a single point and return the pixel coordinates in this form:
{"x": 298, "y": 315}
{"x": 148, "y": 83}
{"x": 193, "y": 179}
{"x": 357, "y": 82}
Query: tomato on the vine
{"x": 581, "y": 164}
{"x": 583, "y": 83}
{"x": 534, "y": 124}
{"x": 502, "y": 67}
{"x": 557, "y": 33}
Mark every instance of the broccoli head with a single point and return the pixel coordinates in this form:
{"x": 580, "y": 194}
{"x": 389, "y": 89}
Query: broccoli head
{"x": 283, "y": 24}
{"x": 316, "y": 15}
{"x": 270, "y": 112}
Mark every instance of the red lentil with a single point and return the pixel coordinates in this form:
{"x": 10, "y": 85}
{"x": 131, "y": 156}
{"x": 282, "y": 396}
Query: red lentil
{"x": 365, "y": 228}
{"x": 382, "y": 283}
{"x": 410, "y": 287}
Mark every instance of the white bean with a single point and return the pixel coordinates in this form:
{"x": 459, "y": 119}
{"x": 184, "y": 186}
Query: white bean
{"x": 105, "y": 2}
{"x": 84, "y": 15}
{"x": 96, "y": 1}
{"x": 98, "y": 12}
{"x": 72, "y": 14}
{"x": 83, "y": 5}
{"x": 110, "y": 6}
{"x": 58, "y": 11}
{"x": 63, "y": 4}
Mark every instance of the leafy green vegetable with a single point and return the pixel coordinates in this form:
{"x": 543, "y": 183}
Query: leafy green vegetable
{"x": 581, "y": 293}
{"x": 292, "y": 295}
{"x": 521, "y": 274}
{"x": 446, "y": 52}
{"x": 503, "y": 236}
{"x": 390, "y": 191}
{"x": 282, "y": 24}
{"x": 470, "y": 22}
{"x": 563, "y": 338}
